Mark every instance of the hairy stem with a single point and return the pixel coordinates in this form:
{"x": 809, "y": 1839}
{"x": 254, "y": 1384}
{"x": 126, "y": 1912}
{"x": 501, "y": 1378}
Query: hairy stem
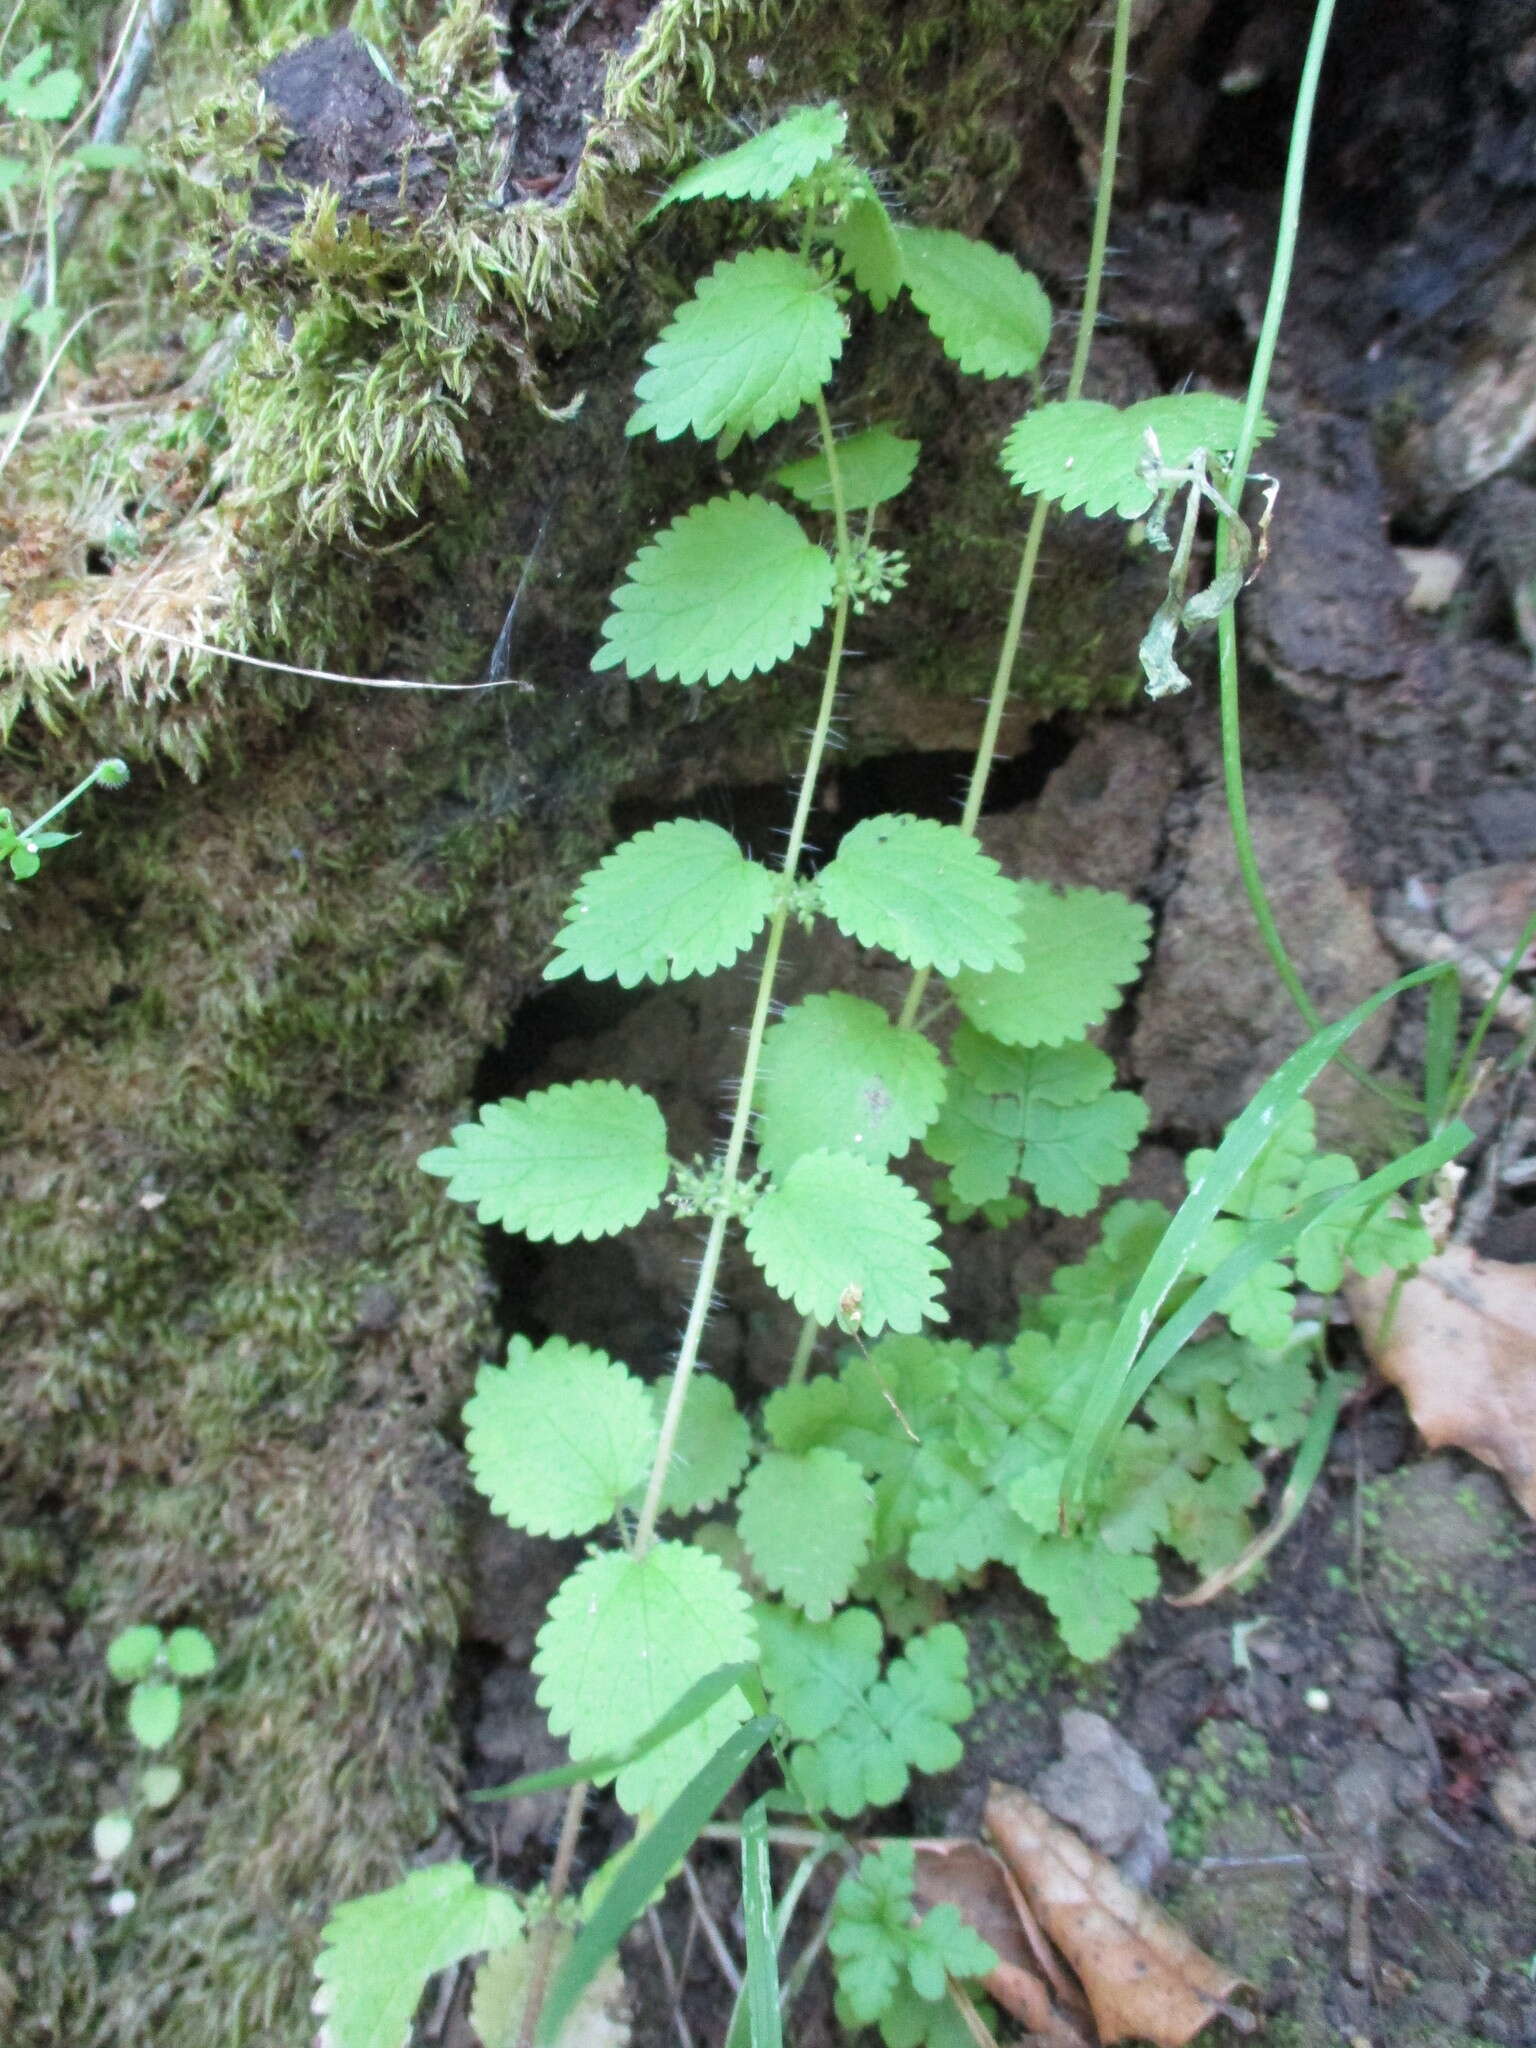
{"x": 1013, "y": 632}
{"x": 741, "y": 1122}
{"x": 549, "y": 1929}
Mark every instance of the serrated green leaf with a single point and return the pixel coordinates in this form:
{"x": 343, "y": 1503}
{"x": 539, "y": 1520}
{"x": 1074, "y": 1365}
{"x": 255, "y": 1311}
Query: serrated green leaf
{"x": 625, "y": 1639}
{"x": 838, "y": 1237}
{"x": 865, "y": 238}
{"x": 728, "y": 589}
{"x": 132, "y": 1653}
{"x": 837, "y": 1075}
{"x": 1047, "y": 1116}
{"x": 154, "y": 1712}
{"x": 817, "y": 1671}
{"x": 1094, "y": 1594}
{"x": 1079, "y": 452}
{"x": 755, "y": 343}
{"x": 872, "y": 467}
{"x": 905, "y": 1722}
{"x": 893, "y": 1968}
{"x": 806, "y": 1522}
{"x": 51, "y": 96}
{"x": 189, "y": 1653}
{"x": 378, "y": 1952}
{"x": 107, "y": 156}
{"x": 504, "y": 1980}
{"x": 558, "y": 1436}
{"x": 1100, "y": 1284}
{"x": 712, "y": 1447}
{"x": 1080, "y": 946}
{"x": 1274, "y": 1391}
{"x": 580, "y": 1161}
{"x": 1261, "y": 1306}
{"x": 679, "y": 899}
{"x": 767, "y": 165}
{"x": 925, "y": 892}
{"x": 990, "y": 316}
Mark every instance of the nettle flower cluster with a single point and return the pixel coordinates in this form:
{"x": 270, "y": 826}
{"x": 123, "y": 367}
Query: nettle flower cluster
{"x": 782, "y": 1575}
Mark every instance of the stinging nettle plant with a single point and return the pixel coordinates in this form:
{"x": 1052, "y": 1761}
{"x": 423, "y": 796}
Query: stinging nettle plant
{"x": 808, "y": 1610}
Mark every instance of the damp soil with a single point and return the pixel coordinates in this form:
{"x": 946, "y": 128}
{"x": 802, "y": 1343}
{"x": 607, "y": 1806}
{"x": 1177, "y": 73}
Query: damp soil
{"x": 1327, "y": 1744}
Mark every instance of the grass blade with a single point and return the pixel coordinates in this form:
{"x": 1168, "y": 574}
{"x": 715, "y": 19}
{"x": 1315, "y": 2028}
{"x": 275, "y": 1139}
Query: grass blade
{"x": 697, "y": 1700}
{"x": 646, "y": 1869}
{"x": 765, "y": 2027}
{"x": 1440, "y": 1045}
{"x": 1121, "y": 1385}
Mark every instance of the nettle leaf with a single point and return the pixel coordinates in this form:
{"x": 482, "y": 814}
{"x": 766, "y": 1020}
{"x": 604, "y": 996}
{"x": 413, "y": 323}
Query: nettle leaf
{"x": 818, "y": 1671}
{"x": 377, "y": 1953}
{"x": 865, "y": 238}
{"x": 838, "y": 1237}
{"x": 905, "y": 1722}
{"x": 558, "y": 1437}
{"x": 770, "y": 163}
{"x": 1048, "y": 1116}
{"x": 755, "y": 343}
{"x": 580, "y": 1161}
{"x": 712, "y": 1446}
{"x": 625, "y": 1639}
{"x": 872, "y": 467}
{"x": 806, "y": 1522}
{"x": 1079, "y": 945}
{"x": 730, "y": 588}
{"x": 677, "y": 900}
{"x": 925, "y": 892}
{"x": 837, "y": 1075}
{"x": 881, "y": 1946}
{"x": 1080, "y": 452}
{"x": 33, "y": 94}
{"x": 989, "y": 315}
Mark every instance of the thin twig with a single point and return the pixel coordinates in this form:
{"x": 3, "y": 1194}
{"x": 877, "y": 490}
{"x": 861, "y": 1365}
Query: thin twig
{"x": 319, "y": 675}
{"x": 729, "y": 1968}
{"x": 669, "y": 1976}
{"x": 116, "y": 112}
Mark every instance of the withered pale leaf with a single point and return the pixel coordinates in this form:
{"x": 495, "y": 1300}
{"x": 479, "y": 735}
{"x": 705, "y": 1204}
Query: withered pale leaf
{"x": 1461, "y": 1345}
{"x": 1143, "y": 1976}
{"x": 1028, "y": 1982}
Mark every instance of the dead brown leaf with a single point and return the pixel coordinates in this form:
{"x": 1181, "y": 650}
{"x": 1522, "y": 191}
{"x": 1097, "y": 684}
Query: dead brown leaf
{"x": 1144, "y": 1978}
{"x": 1028, "y": 1982}
{"x": 1461, "y": 1345}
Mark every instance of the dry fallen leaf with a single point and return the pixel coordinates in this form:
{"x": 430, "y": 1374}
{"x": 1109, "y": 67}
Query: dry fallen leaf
{"x": 1144, "y": 1978}
{"x": 1461, "y": 1345}
{"x": 1028, "y": 1982}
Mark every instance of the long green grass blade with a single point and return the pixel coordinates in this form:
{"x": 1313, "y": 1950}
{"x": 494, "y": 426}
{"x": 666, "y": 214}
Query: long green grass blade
{"x": 1263, "y": 1242}
{"x": 762, "y": 1986}
{"x": 1120, "y": 1384}
{"x": 646, "y": 1869}
{"x": 1440, "y": 1045}
{"x": 697, "y": 1700}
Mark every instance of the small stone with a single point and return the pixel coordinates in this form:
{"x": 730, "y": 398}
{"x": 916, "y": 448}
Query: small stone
{"x": 1316, "y": 1700}
{"x": 1513, "y": 1792}
{"x": 1504, "y": 819}
{"x": 1102, "y": 1788}
{"x": 1374, "y": 1660}
{"x": 1395, "y": 1728}
{"x": 1447, "y": 2000}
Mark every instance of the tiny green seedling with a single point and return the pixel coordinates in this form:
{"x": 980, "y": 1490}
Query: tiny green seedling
{"x": 22, "y": 847}
{"x": 156, "y": 1666}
